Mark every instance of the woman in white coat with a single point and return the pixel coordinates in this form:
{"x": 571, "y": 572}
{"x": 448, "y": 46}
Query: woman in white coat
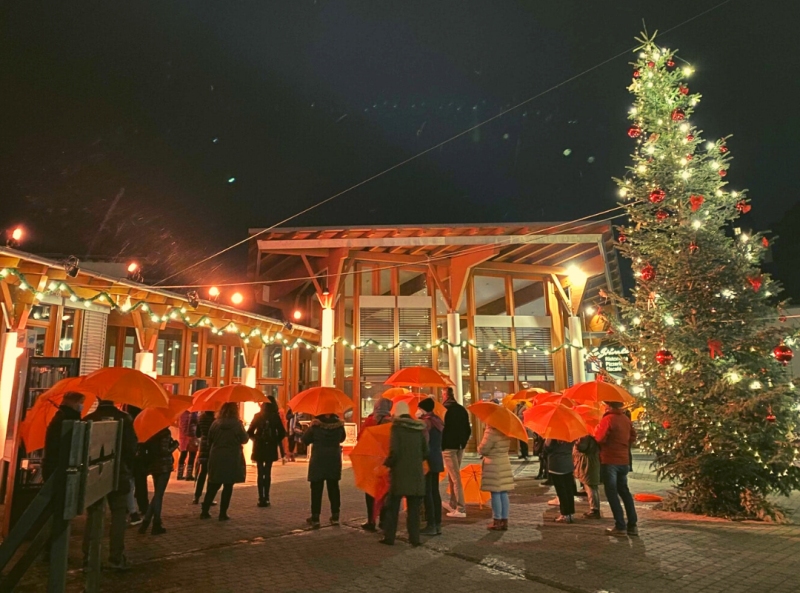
{"x": 497, "y": 477}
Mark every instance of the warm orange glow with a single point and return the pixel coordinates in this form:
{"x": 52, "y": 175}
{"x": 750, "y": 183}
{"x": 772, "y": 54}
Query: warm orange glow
{"x": 17, "y": 233}
{"x": 132, "y": 267}
{"x": 237, "y": 298}
{"x": 213, "y": 292}
{"x": 297, "y": 315}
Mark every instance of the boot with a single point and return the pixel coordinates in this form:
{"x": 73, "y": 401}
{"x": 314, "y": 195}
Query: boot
{"x": 430, "y": 529}
{"x": 143, "y": 527}
{"x": 504, "y": 525}
{"x": 158, "y": 529}
{"x": 181, "y": 467}
{"x": 189, "y": 473}
{"x": 495, "y": 525}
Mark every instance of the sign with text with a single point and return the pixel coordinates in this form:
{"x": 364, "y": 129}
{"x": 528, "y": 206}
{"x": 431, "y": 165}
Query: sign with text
{"x": 610, "y": 359}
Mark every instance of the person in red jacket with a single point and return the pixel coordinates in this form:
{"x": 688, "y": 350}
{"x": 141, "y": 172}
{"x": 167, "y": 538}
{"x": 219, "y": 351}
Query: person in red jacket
{"x": 615, "y": 434}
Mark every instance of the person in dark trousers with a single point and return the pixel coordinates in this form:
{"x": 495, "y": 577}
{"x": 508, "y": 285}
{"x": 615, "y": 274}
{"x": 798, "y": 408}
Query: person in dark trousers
{"x": 226, "y": 465}
{"x": 325, "y": 436}
{"x": 538, "y": 450}
{"x": 615, "y": 435}
{"x": 586, "y": 459}
{"x": 559, "y": 464}
{"x": 292, "y": 433}
{"x": 407, "y": 450}
{"x": 381, "y": 414}
{"x": 434, "y": 427}
{"x": 118, "y": 499}
{"x": 523, "y": 445}
{"x": 138, "y": 497}
{"x": 70, "y": 409}
{"x": 266, "y": 431}
{"x": 160, "y": 464}
{"x": 187, "y": 426}
{"x": 204, "y": 422}
{"x": 455, "y": 437}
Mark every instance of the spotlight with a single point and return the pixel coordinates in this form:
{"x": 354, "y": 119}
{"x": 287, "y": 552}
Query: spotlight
{"x": 297, "y": 315}
{"x": 194, "y": 298}
{"x": 237, "y": 298}
{"x": 213, "y": 292}
{"x": 71, "y": 266}
{"x": 135, "y": 272}
{"x": 14, "y": 237}
{"x": 287, "y": 325}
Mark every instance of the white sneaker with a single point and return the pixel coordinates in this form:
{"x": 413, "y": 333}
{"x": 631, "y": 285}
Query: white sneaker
{"x": 456, "y": 514}
{"x": 447, "y": 507}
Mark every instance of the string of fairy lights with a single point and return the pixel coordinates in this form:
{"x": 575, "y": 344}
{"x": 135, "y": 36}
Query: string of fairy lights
{"x": 127, "y": 306}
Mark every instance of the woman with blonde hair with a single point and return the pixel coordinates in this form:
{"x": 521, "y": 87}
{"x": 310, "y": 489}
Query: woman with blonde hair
{"x": 226, "y": 465}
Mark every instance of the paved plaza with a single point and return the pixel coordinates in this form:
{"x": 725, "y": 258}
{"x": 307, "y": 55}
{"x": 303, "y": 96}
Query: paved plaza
{"x": 272, "y": 550}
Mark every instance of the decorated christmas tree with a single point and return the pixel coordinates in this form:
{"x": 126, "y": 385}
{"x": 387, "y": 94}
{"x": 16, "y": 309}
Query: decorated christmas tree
{"x": 708, "y": 350}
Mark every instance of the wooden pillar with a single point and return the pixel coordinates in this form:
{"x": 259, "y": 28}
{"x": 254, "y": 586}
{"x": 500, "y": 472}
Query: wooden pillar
{"x": 557, "y": 337}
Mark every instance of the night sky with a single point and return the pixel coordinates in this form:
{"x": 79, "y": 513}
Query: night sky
{"x": 164, "y": 130}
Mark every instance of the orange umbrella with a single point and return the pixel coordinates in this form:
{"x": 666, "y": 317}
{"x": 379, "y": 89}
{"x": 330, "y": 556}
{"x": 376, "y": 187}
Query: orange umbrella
{"x": 216, "y": 396}
{"x": 598, "y": 391}
{"x": 413, "y": 399}
{"x": 419, "y": 377}
{"x": 590, "y": 414}
{"x": 126, "y": 386}
{"x": 321, "y": 400}
{"x": 393, "y": 392}
{"x": 151, "y": 420}
{"x": 471, "y": 481}
{"x": 547, "y": 397}
{"x": 527, "y": 394}
{"x": 511, "y": 403}
{"x": 555, "y": 421}
{"x": 33, "y": 429}
{"x": 368, "y": 456}
{"x": 500, "y": 418}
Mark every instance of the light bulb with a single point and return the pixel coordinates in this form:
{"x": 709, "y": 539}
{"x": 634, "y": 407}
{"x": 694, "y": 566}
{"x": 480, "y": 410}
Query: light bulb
{"x": 684, "y": 127}
{"x": 696, "y": 224}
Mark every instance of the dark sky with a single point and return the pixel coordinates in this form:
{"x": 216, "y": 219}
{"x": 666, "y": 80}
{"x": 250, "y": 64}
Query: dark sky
{"x": 122, "y": 122}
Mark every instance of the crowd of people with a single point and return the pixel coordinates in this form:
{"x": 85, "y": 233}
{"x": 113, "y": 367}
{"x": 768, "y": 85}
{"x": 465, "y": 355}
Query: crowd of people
{"x": 421, "y": 449}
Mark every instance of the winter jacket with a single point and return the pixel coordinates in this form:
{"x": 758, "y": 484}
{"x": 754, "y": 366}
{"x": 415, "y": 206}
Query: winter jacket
{"x": 266, "y": 432}
{"x": 559, "y": 456}
{"x": 457, "y": 430}
{"x": 433, "y": 432}
{"x": 187, "y": 426}
{"x": 586, "y": 459}
{"x": 615, "y": 434}
{"x": 204, "y": 423}
{"x": 52, "y": 439}
{"x": 496, "y": 475}
{"x": 106, "y": 410}
{"x": 158, "y": 456}
{"x": 326, "y": 434}
{"x": 407, "y": 450}
{"x": 226, "y": 463}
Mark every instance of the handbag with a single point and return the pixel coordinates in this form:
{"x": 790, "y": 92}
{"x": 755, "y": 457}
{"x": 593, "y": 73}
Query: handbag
{"x": 173, "y": 445}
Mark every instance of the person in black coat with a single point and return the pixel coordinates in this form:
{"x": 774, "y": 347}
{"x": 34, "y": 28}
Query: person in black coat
{"x": 226, "y": 465}
{"x": 204, "y": 423}
{"x": 455, "y": 437}
{"x": 159, "y": 464}
{"x": 266, "y": 431}
{"x": 433, "y": 499}
{"x": 326, "y": 434}
{"x": 70, "y": 409}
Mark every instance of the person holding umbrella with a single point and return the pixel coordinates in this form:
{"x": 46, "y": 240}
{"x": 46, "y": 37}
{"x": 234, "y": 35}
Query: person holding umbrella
{"x": 226, "y": 465}
{"x": 204, "y": 422}
{"x": 433, "y": 498}
{"x": 455, "y": 437}
{"x": 407, "y": 450}
{"x": 381, "y": 414}
{"x": 266, "y": 431}
{"x": 559, "y": 464}
{"x": 326, "y": 434}
{"x": 159, "y": 463}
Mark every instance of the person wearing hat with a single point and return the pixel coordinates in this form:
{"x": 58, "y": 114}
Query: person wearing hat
{"x": 407, "y": 450}
{"x": 433, "y": 498}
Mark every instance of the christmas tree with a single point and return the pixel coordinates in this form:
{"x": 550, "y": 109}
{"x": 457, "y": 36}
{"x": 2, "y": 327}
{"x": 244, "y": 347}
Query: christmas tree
{"x": 707, "y": 348}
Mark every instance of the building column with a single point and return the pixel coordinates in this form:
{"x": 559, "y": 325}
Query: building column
{"x": 454, "y": 353}
{"x": 576, "y": 339}
{"x": 326, "y": 364}
{"x": 144, "y": 363}
{"x": 9, "y": 353}
{"x": 249, "y": 409}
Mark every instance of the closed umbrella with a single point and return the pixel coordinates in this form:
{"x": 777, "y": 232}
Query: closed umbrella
{"x": 501, "y": 418}
{"x": 471, "y": 481}
{"x": 367, "y": 458}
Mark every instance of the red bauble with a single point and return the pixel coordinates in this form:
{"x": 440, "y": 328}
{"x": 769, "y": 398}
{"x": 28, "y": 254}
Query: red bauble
{"x": 743, "y": 206}
{"x": 771, "y": 417}
{"x": 657, "y": 196}
{"x": 678, "y": 114}
{"x": 782, "y": 318}
{"x": 693, "y": 248}
{"x": 670, "y": 64}
{"x": 755, "y": 283}
{"x": 764, "y": 242}
{"x": 662, "y": 215}
{"x": 783, "y": 354}
{"x": 636, "y": 74}
{"x": 696, "y": 202}
{"x": 689, "y": 157}
{"x": 634, "y": 131}
{"x": 684, "y": 90}
{"x": 622, "y": 238}
{"x": 648, "y": 273}
{"x": 664, "y": 357}
{"x": 689, "y": 138}
{"x": 651, "y": 64}
{"x": 666, "y": 424}
{"x": 723, "y": 149}
{"x": 722, "y": 172}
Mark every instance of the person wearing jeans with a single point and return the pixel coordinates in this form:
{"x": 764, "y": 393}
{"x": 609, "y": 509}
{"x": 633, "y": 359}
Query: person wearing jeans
{"x": 226, "y": 465}
{"x": 496, "y": 475}
{"x": 615, "y": 435}
{"x": 500, "y": 508}
{"x": 159, "y": 464}
{"x": 455, "y": 437}
{"x": 326, "y": 434}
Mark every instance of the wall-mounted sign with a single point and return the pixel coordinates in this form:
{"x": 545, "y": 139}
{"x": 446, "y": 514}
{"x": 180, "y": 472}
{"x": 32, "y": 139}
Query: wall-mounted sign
{"x": 610, "y": 359}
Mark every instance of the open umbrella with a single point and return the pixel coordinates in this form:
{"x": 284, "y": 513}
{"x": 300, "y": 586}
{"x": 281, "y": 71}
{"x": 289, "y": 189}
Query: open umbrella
{"x": 413, "y": 399}
{"x": 471, "y": 481}
{"x": 367, "y": 458}
{"x": 598, "y": 391}
{"x": 321, "y": 400}
{"x": 511, "y": 403}
{"x": 547, "y": 397}
{"x": 527, "y": 394}
{"x": 418, "y": 377}
{"x": 590, "y": 414}
{"x": 393, "y": 392}
{"x": 33, "y": 429}
{"x": 125, "y": 386}
{"x": 500, "y": 418}
{"x": 151, "y": 420}
{"x": 555, "y": 421}
{"x": 216, "y": 396}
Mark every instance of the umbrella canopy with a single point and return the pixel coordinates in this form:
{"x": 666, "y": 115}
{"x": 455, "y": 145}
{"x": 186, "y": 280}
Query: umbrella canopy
{"x": 547, "y": 397}
{"x": 501, "y": 418}
{"x": 511, "y": 403}
{"x": 393, "y": 392}
{"x": 598, "y": 391}
{"x": 419, "y": 377}
{"x": 125, "y": 386}
{"x": 590, "y": 414}
{"x": 555, "y": 421}
{"x": 33, "y": 429}
{"x": 368, "y": 456}
{"x": 216, "y": 396}
{"x": 413, "y": 399}
{"x": 151, "y": 420}
{"x": 527, "y": 394}
{"x": 471, "y": 481}
{"x": 321, "y": 400}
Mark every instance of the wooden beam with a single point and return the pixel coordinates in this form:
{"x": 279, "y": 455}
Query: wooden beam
{"x": 311, "y": 273}
{"x": 522, "y": 268}
{"x": 561, "y": 292}
{"x": 393, "y": 258}
{"x": 557, "y": 338}
{"x": 460, "y": 267}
